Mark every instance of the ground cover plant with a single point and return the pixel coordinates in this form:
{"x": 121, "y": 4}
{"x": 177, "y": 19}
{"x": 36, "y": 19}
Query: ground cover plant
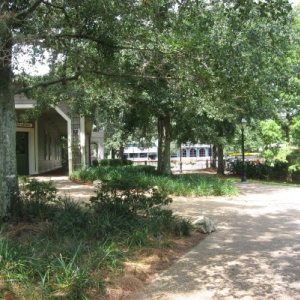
{"x": 179, "y": 185}
{"x": 60, "y": 249}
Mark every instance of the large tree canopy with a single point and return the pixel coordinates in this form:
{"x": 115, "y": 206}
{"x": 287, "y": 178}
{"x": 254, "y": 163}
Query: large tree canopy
{"x": 78, "y": 39}
{"x": 217, "y": 57}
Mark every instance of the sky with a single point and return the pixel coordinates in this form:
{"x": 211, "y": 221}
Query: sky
{"x": 294, "y": 2}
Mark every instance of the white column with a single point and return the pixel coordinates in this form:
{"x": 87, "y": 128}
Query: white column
{"x": 82, "y": 141}
{"x": 69, "y": 137}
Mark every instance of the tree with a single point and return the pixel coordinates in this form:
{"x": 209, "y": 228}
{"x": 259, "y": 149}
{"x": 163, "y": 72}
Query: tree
{"x": 238, "y": 66}
{"x": 287, "y": 107}
{"x": 218, "y": 62}
{"x": 222, "y": 53}
{"x": 80, "y": 40}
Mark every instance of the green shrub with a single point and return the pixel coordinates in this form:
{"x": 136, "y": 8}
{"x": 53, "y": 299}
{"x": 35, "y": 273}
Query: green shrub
{"x": 37, "y": 197}
{"x": 128, "y": 195}
{"x": 262, "y": 171}
{"x": 64, "y": 250}
{"x": 180, "y": 185}
{"x": 137, "y": 239}
{"x": 40, "y": 191}
{"x": 146, "y": 169}
{"x": 114, "y": 162}
{"x": 95, "y": 163}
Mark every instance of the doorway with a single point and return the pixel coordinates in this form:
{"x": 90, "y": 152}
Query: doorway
{"x": 22, "y": 153}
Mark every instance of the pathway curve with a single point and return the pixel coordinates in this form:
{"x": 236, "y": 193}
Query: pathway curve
{"x": 254, "y": 254}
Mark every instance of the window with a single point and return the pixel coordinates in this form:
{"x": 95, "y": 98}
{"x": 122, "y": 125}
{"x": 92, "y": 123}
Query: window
{"x": 202, "y": 152}
{"x": 183, "y": 152}
{"x": 57, "y": 149}
{"x": 47, "y": 146}
{"x": 193, "y": 152}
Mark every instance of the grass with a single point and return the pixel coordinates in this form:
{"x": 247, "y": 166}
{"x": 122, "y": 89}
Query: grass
{"x": 64, "y": 250}
{"x": 179, "y": 185}
{"x": 61, "y": 249}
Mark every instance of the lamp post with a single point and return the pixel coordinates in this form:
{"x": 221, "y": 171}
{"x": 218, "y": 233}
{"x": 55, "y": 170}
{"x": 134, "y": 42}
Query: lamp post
{"x": 242, "y": 125}
{"x": 180, "y": 163}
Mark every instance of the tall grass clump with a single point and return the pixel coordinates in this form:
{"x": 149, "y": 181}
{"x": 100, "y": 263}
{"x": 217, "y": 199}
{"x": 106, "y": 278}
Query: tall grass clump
{"x": 179, "y": 185}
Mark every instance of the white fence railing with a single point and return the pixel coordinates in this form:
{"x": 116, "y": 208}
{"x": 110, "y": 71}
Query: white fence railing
{"x": 176, "y": 165}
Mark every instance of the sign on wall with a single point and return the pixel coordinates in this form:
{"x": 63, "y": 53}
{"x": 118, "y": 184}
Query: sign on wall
{"x": 26, "y": 125}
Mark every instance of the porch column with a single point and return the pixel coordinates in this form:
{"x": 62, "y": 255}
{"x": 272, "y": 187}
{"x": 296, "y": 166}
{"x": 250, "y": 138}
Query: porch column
{"x": 82, "y": 142}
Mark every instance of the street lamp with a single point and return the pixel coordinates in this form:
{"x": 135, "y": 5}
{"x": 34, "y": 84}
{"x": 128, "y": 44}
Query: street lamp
{"x": 180, "y": 163}
{"x": 242, "y": 125}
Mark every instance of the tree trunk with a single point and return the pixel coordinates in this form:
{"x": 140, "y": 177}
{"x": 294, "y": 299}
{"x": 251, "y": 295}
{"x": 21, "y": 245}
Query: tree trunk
{"x": 9, "y": 191}
{"x": 121, "y": 152}
{"x": 288, "y": 173}
{"x": 220, "y": 160}
{"x": 214, "y": 155}
{"x": 164, "y": 142}
{"x": 113, "y": 153}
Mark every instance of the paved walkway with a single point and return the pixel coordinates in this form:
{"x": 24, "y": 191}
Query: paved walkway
{"x": 254, "y": 254}
{"x": 67, "y": 188}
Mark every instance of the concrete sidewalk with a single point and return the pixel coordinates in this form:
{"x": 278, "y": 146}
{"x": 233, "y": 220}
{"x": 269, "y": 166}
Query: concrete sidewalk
{"x": 254, "y": 254}
{"x": 67, "y": 188}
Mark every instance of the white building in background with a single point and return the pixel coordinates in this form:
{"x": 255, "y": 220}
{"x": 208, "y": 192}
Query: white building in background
{"x": 194, "y": 151}
{"x": 135, "y": 152}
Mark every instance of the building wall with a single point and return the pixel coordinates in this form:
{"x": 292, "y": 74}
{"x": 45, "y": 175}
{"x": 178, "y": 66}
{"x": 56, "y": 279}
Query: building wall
{"x": 49, "y": 147}
{"x": 45, "y": 149}
{"x": 64, "y": 107}
{"x": 21, "y": 99}
{"x": 75, "y": 144}
{"x": 97, "y": 145}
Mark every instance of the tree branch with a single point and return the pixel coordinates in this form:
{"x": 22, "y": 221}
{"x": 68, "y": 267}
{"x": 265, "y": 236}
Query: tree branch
{"x": 23, "y": 14}
{"x": 130, "y": 75}
{"x": 46, "y": 84}
{"x": 93, "y": 39}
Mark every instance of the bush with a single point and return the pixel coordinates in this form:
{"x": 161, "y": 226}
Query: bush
{"x": 127, "y": 195}
{"x": 114, "y": 162}
{"x": 67, "y": 247}
{"x": 180, "y": 185}
{"x": 146, "y": 169}
{"x": 37, "y": 197}
{"x": 262, "y": 171}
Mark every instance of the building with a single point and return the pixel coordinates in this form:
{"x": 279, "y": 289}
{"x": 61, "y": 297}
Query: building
{"x": 194, "y": 151}
{"x": 57, "y": 138}
{"x": 134, "y": 151}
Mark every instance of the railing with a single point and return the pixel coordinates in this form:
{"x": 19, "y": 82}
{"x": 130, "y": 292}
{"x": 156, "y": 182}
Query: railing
{"x": 186, "y": 165}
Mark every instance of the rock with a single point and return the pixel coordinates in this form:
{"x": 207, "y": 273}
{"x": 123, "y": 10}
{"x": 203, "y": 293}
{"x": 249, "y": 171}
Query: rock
{"x": 204, "y": 225}
{"x": 97, "y": 183}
